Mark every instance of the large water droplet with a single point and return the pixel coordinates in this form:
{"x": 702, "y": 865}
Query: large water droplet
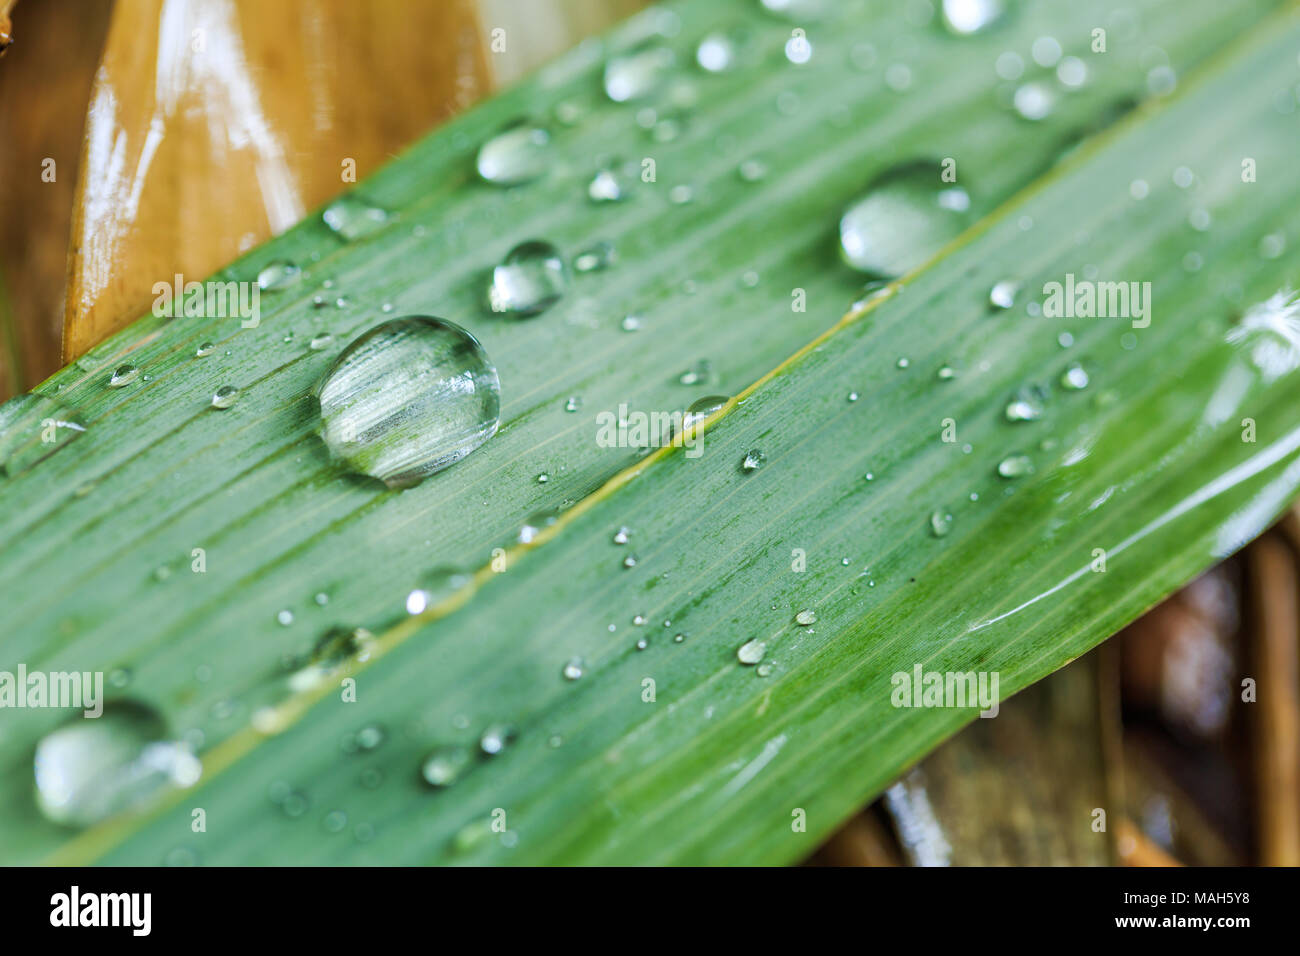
{"x": 517, "y": 154}
{"x": 701, "y": 409}
{"x": 637, "y": 74}
{"x": 532, "y": 278}
{"x": 408, "y": 398}
{"x": 907, "y": 216}
{"x": 965, "y": 17}
{"x": 352, "y": 217}
{"x": 752, "y": 652}
{"x": 1015, "y": 466}
{"x": 940, "y": 523}
{"x": 33, "y": 427}
{"x": 88, "y": 770}
{"x": 225, "y": 396}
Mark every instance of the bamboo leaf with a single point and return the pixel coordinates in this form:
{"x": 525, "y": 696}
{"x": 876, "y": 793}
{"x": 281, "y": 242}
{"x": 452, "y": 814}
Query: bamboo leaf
{"x": 1146, "y": 463}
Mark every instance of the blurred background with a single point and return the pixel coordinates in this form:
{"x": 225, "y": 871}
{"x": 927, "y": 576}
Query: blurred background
{"x": 122, "y": 159}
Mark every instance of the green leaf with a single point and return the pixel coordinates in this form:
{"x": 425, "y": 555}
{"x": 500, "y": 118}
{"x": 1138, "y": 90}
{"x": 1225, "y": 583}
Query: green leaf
{"x": 1146, "y": 467}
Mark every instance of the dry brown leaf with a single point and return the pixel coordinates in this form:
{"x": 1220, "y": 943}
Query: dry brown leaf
{"x": 215, "y": 124}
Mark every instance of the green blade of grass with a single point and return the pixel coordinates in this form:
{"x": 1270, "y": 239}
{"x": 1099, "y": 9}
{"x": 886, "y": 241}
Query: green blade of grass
{"x": 1148, "y": 464}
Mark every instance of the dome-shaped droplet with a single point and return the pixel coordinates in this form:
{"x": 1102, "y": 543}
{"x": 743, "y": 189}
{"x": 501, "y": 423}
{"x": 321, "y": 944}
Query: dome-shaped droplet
{"x": 716, "y": 53}
{"x": 33, "y": 427}
{"x": 701, "y": 409}
{"x": 352, "y": 217}
{"x": 532, "y": 278}
{"x": 225, "y": 396}
{"x": 123, "y": 375}
{"x": 89, "y": 770}
{"x": 279, "y": 274}
{"x": 806, "y": 618}
{"x": 637, "y": 74}
{"x": 1003, "y": 294}
{"x": 908, "y": 214}
{"x": 940, "y": 523}
{"x": 965, "y": 17}
{"x": 1015, "y": 466}
{"x": 752, "y": 652}
{"x": 408, "y": 398}
{"x": 753, "y": 460}
{"x": 444, "y": 766}
{"x": 518, "y": 154}
{"x": 1075, "y": 378}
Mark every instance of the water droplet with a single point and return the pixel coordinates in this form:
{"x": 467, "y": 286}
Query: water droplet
{"x": 764, "y": 670}
{"x": 716, "y": 53}
{"x": 1072, "y": 72}
{"x": 631, "y": 323}
{"x": 444, "y": 766}
{"x": 946, "y": 373}
{"x": 320, "y": 342}
{"x": 752, "y": 652}
{"x": 496, "y": 738}
{"x": 908, "y": 214}
{"x": 621, "y": 536}
{"x": 699, "y": 375}
{"x": 1046, "y": 51}
{"x": 637, "y": 74}
{"x": 321, "y": 599}
{"x": 536, "y": 525}
{"x": 596, "y": 257}
{"x": 573, "y": 670}
{"x": 1026, "y": 406}
{"x": 279, "y": 274}
{"x": 1015, "y": 466}
{"x": 798, "y": 50}
{"x": 752, "y": 170}
{"x": 1034, "y": 100}
{"x": 1003, "y": 294}
{"x": 225, "y": 396}
{"x": 123, "y": 375}
{"x": 701, "y": 409}
{"x": 353, "y": 218}
{"x": 806, "y": 618}
{"x": 89, "y": 770}
{"x": 965, "y": 17}
{"x": 606, "y": 186}
{"x": 853, "y": 396}
{"x": 1075, "y": 378}
{"x": 940, "y": 523}
{"x": 573, "y": 403}
{"x": 437, "y": 586}
{"x": 903, "y": 363}
{"x": 33, "y": 427}
{"x": 543, "y": 478}
{"x": 285, "y": 617}
{"x": 753, "y": 460}
{"x": 532, "y": 278}
{"x": 681, "y": 195}
{"x": 518, "y": 154}
{"x": 408, "y": 398}
{"x": 630, "y": 561}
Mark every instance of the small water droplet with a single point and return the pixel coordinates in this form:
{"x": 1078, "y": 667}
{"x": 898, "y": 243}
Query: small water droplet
{"x": 530, "y": 280}
{"x": 543, "y": 478}
{"x": 753, "y": 170}
{"x": 637, "y": 73}
{"x": 321, "y": 599}
{"x": 1026, "y": 406}
{"x": 907, "y": 215}
{"x": 279, "y": 274}
{"x": 573, "y": 670}
{"x": 716, "y": 53}
{"x": 320, "y": 342}
{"x": 630, "y": 561}
{"x": 940, "y": 523}
{"x": 225, "y": 396}
{"x": 753, "y": 460}
{"x": 352, "y": 217}
{"x": 1015, "y": 466}
{"x": 946, "y": 373}
{"x": 1003, "y": 294}
{"x": 1034, "y": 100}
{"x": 518, "y": 154}
{"x": 702, "y": 408}
{"x": 573, "y": 403}
{"x": 536, "y": 525}
{"x": 606, "y": 186}
{"x": 807, "y": 618}
{"x": 798, "y": 49}
{"x": 204, "y": 350}
{"x": 408, "y": 398}
{"x": 496, "y": 738}
{"x": 699, "y": 375}
{"x": 123, "y": 375}
{"x": 33, "y": 427}
{"x": 1075, "y": 377}
{"x": 437, "y": 586}
{"x": 621, "y": 536}
{"x": 631, "y": 323}
{"x": 89, "y": 770}
{"x": 444, "y": 766}
{"x": 752, "y": 652}
{"x": 596, "y": 258}
{"x": 964, "y": 17}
